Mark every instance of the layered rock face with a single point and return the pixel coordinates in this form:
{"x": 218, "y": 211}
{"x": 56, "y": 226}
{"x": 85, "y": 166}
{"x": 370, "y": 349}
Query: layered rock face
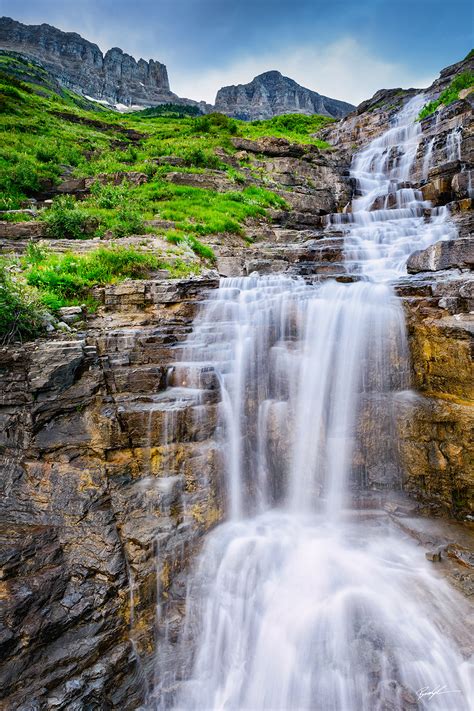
{"x": 372, "y": 116}
{"x": 436, "y": 427}
{"x": 119, "y": 79}
{"x": 271, "y": 94}
{"x": 79, "y": 65}
{"x": 100, "y": 509}
{"x": 111, "y": 481}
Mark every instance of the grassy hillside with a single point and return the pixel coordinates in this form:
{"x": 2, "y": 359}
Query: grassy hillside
{"x": 49, "y": 135}
{"x": 465, "y": 80}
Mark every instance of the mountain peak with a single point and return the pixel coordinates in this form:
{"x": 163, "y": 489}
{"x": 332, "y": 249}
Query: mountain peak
{"x": 271, "y": 74}
{"x": 80, "y": 65}
{"x": 271, "y": 94}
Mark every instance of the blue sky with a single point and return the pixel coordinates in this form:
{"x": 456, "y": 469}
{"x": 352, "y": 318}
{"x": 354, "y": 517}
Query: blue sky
{"x": 346, "y": 49}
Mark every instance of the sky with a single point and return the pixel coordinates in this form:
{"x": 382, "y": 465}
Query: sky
{"x": 345, "y": 49}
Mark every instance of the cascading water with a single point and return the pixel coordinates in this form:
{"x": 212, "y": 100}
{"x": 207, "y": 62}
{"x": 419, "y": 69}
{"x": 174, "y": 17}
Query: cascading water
{"x": 299, "y": 601}
{"x": 453, "y": 144}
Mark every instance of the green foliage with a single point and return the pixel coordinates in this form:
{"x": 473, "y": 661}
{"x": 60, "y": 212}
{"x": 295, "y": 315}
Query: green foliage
{"x": 205, "y": 212}
{"x": 48, "y": 128}
{"x": 294, "y": 127}
{"x": 201, "y": 158}
{"x": 236, "y": 176}
{"x": 462, "y": 81}
{"x": 21, "y": 311}
{"x": 167, "y": 111}
{"x": 109, "y": 196}
{"x": 19, "y": 177}
{"x": 65, "y": 220}
{"x": 128, "y": 222}
{"x": 202, "y": 250}
{"x": 11, "y": 81}
{"x": 469, "y": 55}
{"x": 35, "y": 253}
{"x": 8, "y": 202}
{"x": 63, "y": 278}
{"x": 16, "y": 216}
{"x": 214, "y": 123}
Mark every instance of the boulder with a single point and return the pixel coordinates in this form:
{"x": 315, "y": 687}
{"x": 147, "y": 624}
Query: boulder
{"x": 447, "y": 254}
{"x": 22, "y": 230}
{"x": 133, "y": 177}
{"x": 210, "y": 180}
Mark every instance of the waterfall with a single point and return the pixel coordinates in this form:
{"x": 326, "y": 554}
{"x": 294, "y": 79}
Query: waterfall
{"x": 301, "y": 599}
{"x": 427, "y": 158}
{"x": 453, "y": 144}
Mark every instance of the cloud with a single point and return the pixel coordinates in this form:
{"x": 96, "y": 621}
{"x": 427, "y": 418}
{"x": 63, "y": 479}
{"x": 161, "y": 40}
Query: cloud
{"x": 344, "y": 70}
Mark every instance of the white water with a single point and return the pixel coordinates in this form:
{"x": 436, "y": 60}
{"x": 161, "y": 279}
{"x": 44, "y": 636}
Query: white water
{"x": 388, "y": 220}
{"x": 298, "y": 602}
{"x": 453, "y": 144}
{"x": 427, "y": 159}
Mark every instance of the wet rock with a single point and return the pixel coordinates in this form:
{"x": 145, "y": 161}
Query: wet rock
{"x": 438, "y": 191}
{"x": 88, "y": 490}
{"x": 71, "y": 314}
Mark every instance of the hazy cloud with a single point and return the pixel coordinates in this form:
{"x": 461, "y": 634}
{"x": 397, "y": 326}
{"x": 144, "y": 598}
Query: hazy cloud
{"x": 343, "y": 70}
{"x": 343, "y": 48}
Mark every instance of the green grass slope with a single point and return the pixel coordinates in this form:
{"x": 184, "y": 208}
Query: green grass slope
{"x": 48, "y": 135}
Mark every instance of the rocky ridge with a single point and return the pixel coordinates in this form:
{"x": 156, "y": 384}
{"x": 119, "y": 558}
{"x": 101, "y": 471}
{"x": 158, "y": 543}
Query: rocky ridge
{"x": 119, "y": 80}
{"x": 271, "y": 94}
{"x": 79, "y": 65}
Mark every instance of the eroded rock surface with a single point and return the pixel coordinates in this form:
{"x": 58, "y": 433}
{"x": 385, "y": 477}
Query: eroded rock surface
{"x": 111, "y": 479}
{"x": 79, "y": 65}
{"x": 95, "y": 497}
{"x": 271, "y": 94}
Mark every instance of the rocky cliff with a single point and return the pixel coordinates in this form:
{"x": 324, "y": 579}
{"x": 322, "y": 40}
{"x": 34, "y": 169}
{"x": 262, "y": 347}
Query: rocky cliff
{"x": 103, "y": 510}
{"x": 271, "y": 94}
{"x": 79, "y": 65}
{"x": 118, "y": 79}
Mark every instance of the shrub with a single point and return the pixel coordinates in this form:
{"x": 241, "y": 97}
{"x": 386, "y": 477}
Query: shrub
{"x": 215, "y": 122}
{"x": 21, "y": 311}
{"x": 21, "y": 176}
{"x": 129, "y": 222}
{"x": 201, "y": 158}
{"x": 9, "y": 202}
{"x": 46, "y": 152}
{"x": 65, "y": 220}
{"x": 129, "y": 155}
{"x": 109, "y": 196}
